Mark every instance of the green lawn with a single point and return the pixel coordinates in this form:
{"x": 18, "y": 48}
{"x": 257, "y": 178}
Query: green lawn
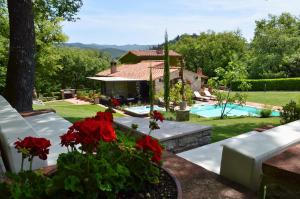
{"x": 73, "y": 112}
{"x": 273, "y": 98}
{"x": 226, "y": 128}
{"x": 222, "y": 129}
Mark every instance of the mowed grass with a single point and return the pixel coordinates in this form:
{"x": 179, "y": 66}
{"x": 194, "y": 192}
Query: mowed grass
{"x": 222, "y": 129}
{"x": 73, "y": 112}
{"x": 273, "y": 98}
{"x": 229, "y": 127}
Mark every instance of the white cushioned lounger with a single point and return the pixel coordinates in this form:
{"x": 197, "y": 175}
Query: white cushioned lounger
{"x": 242, "y": 159}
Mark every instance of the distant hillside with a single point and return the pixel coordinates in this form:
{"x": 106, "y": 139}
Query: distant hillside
{"x": 114, "y": 50}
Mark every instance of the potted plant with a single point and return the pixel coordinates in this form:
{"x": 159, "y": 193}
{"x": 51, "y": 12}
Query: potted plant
{"x": 98, "y": 164}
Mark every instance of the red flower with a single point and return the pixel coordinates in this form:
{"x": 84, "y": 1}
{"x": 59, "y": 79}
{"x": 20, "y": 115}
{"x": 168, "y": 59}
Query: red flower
{"x": 157, "y": 116}
{"x": 90, "y": 131}
{"x": 68, "y": 139}
{"x": 147, "y": 143}
{"x": 115, "y": 102}
{"x": 107, "y": 131}
{"x": 35, "y": 146}
{"x": 106, "y": 116}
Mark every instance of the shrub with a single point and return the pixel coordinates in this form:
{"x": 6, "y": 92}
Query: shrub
{"x": 265, "y": 113}
{"x": 290, "y": 112}
{"x": 282, "y": 84}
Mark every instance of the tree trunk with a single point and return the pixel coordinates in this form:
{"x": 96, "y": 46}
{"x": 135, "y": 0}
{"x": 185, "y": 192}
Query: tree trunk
{"x": 21, "y": 65}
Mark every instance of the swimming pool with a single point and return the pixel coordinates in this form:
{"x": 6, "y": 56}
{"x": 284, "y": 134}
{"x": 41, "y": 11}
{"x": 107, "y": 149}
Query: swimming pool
{"x": 237, "y": 110}
{"x": 142, "y": 110}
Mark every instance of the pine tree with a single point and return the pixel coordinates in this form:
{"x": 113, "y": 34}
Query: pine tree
{"x": 166, "y": 74}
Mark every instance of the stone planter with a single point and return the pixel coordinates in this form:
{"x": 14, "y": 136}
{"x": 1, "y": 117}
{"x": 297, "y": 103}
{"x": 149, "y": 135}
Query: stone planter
{"x": 169, "y": 183}
{"x": 182, "y": 115}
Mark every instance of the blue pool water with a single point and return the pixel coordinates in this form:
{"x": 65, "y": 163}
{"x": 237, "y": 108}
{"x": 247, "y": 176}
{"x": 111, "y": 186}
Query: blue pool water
{"x": 237, "y": 110}
{"x": 143, "y": 110}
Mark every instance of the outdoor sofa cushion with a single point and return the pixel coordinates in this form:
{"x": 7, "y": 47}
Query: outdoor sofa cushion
{"x": 14, "y": 126}
{"x": 242, "y": 159}
{"x": 50, "y": 126}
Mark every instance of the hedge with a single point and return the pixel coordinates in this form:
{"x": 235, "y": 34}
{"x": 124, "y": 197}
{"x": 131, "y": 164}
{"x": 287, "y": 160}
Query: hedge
{"x": 282, "y": 84}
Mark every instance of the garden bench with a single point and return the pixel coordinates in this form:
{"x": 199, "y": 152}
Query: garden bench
{"x": 242, "y": 159}
{"x": 14, "y": 126}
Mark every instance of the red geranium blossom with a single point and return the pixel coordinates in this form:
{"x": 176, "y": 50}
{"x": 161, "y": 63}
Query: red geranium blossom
{"x": 115, "y": 102}
{"x": 68, "y": 139}
{"x": 106, "y": 116}
{"x": 147, "y": 143}
{"x": 90, "y": 131}
{"x": 35, "y": 146}
{"x": 157, "y": 116}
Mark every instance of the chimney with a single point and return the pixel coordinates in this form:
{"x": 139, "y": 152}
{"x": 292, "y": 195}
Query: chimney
{"x": 113, "y": 66}
{"x": 199, "y": 71}
{"x": 160, "y": 51}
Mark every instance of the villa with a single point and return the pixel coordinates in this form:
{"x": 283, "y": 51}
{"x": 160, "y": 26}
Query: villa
{"x": 130, "y": 79}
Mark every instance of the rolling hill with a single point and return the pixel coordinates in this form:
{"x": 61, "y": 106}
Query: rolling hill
{"x": 114, "y": 50}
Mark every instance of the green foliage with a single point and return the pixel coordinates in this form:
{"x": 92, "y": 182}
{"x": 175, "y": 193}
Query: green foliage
{"x": 280, "y": 84}
{"x": 151, "y": 94}
{"x": 290, "y": 112}
{"x": 166, "y": 73}
{"x": 176, "y": 95}
{"x": 210, "y": 50}
{"x": 113, "y": 169}
{"x": 265, "y": 113}
{"x": 79, "y": 64}
{"x": 57, "y": 8}
{"x": 234, "y": 71}
{"x": 25, "y": 185}
{"x": 274, "y": 51}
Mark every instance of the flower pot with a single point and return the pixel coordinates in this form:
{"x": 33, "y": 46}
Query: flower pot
{"x": 169, "y": 183}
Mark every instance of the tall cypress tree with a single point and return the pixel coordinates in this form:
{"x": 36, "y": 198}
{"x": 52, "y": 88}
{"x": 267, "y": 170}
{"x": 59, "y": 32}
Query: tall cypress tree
{"x": 151, "y": 90}
{"x": 166, "y": 73}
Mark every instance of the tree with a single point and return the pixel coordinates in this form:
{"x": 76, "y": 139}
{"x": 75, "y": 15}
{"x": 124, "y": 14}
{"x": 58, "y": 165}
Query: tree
{"x": 151, "y": 94}
{"x": 235, "y": 71}
{"x": 275, "y": 48}
{"x": 166, "y": 73}
{"x": 210, "y": 50}
{"x": 21, "y": 63}
{"x": 77, "y": 64}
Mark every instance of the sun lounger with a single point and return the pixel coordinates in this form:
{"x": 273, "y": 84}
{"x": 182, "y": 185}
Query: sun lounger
{"x": 198, "y": 96}
{"x": 242, "y": 159}
{"x": 208, "y": 94}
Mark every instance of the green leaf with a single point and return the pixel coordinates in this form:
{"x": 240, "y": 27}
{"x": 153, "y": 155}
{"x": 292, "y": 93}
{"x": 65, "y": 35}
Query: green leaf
{"x": 72, "y": 183}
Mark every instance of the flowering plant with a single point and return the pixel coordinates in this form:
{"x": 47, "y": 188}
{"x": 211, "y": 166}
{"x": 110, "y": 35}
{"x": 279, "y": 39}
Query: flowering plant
{"x": 30, "y": 147}
{"x": 98, "y": 164}
{"x": 115, "y": 102}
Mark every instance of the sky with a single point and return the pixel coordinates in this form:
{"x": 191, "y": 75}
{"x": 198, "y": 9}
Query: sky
{"x": 145, "y": 21}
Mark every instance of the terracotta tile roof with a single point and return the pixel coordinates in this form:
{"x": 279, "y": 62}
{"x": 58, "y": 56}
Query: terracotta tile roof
{"x": 153, "y": 53}
{"x": 139, "y": 71}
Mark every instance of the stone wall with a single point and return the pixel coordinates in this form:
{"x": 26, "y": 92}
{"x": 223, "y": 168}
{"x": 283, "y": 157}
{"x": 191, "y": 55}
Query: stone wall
{"x": 187, "y": 142}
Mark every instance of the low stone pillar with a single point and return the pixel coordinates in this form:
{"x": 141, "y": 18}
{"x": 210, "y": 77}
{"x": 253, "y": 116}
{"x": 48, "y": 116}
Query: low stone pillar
{"x": 182, "y": 115}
